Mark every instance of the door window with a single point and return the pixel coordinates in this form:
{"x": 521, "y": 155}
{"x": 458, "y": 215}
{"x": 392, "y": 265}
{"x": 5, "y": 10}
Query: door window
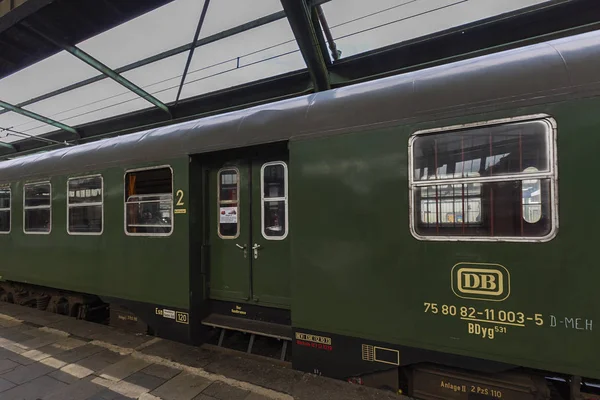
{"x": 274, "y": 197}
{"x": 228, "y": 192}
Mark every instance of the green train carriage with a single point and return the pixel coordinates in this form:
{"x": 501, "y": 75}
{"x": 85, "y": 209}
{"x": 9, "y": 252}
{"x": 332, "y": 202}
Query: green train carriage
{"x": 401, "y": 231}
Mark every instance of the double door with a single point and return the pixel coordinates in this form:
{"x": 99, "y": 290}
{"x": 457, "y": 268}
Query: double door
{"x": 249, "y": 227}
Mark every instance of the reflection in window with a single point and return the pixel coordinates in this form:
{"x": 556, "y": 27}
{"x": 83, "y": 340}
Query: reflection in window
{"x": 228, "y": 192}
{"x": 479, "y": 183}
{"x": 532, "y": 198}
{"x": 37, "y": 208}
{"x": 4, "y": 209}
{"x": 149, "y": 202}
{"x": 84, "y": 205}
{"x": 274, "y": 200}
{"x": 451, "y": 204}
{"x": 490, "y": 151}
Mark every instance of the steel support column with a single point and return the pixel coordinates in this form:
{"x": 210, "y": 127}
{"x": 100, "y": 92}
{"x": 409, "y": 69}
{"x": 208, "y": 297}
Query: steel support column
{"x": 314, "y": 16}
{"x": 335, "y": 53}
{"x": 299, "y": 17}
{"x": 105, "y": 70}
{"x": 38, "y": 117}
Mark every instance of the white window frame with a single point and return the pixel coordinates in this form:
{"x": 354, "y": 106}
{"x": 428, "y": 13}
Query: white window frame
{"x": 37, "y": 207}
{"x": 239, "y": 198}
{"x": 551, "y": 174}
{"x": 9, "y": 209}
{"x": 157, "y": 194}
{"x": 101, "y": 204}
{"x": 284, "y": 198}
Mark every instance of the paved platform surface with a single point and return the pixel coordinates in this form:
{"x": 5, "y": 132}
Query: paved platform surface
{"x": 46, "y": 356}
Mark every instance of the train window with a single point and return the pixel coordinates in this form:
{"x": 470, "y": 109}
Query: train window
{"x": 5, "y": 209}
{"x": 37, "y": 208}
{"x": 228, "y": 192}
{"x": 274, "y": 189}
{"x": 491, "y": 182}
{"x": 149, "y": 202}
{"x": 85, "y": 205}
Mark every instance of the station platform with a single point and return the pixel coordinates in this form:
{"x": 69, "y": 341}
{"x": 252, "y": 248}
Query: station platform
{"x": 45, "y": 356}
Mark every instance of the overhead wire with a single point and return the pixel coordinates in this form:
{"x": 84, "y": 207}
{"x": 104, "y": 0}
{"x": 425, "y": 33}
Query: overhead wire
{"x": 166, "y": 80}
{"x": 401, "y": 19}
{"x": 233, "y": 59}
{"x": 10, "y": 131}
{"x": 238, "y": 58}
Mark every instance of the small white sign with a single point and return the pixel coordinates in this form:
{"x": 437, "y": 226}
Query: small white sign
{"x": 169, "y": 313}
{"x": 228, "y": 215}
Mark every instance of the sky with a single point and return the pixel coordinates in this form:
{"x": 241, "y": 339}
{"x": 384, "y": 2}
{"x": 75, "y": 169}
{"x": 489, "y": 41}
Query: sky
{"x": 269, "y": 50}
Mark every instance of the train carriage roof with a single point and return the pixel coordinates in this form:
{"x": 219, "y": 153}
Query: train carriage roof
{"x": 561, "y": 67}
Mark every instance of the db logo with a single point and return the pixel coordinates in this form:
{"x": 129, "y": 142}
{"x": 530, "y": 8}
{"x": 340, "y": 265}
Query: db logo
{"x": 489, "y": 282}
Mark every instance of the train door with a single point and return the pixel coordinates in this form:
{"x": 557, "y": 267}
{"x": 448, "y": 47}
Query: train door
{"x": 249, "y": 244}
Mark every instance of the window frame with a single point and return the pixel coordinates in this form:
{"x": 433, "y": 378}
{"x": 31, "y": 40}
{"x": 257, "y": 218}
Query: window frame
{"x": 101, "y": 204}
{"x": 172, "y": 202}
{"x": 239, "y": 198}
{"x": 285, "y": 199}
{"x": 551, "y": 174}
{"x": 37, "y": 207}
{"x": 2, "y": 187}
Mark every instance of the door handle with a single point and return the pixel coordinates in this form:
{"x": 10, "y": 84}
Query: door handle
{"x": 255, "y": 248}
{"x": 243, "y": 248}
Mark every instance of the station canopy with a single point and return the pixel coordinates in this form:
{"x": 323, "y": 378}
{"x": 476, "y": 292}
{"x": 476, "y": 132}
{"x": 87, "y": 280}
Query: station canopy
{"x": 70, "y": 73}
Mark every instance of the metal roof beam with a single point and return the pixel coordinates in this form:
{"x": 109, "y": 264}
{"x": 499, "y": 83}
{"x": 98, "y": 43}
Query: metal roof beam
{"x": 193, "y": 47}
{"x": 299, "y": 16}
{"x": 285, "y": 86}
{"x": 38, "y": 117}
{"x": 320, "y": 16}
{"x": 161, "y": 56}
{"x": 314, "y": 3}
{"x": 91, "y": 61}
{"x": 314, "y": 16}
{"x": 105, "y": 70}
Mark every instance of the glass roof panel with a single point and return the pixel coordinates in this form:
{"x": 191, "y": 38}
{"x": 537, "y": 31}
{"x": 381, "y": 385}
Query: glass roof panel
{"x": 40, "y": 129}
{"x": 159, "y": 76}
{"x": 217, "y": 80}
{"x": 34, "y": 81}
{"x": 6, "y": 137}
{"x": 99, "y": 113}
{"x": 255, "y": 54}
{"x": 226, "y": 14}
{"x": 162, "y": 29}
{"x": 171, "y": 26}
{"x": 14, "y": 121}
{"x": 99, "y": 100}
{"x": 261, "y": 52}
{"x": 362, "y": 26}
